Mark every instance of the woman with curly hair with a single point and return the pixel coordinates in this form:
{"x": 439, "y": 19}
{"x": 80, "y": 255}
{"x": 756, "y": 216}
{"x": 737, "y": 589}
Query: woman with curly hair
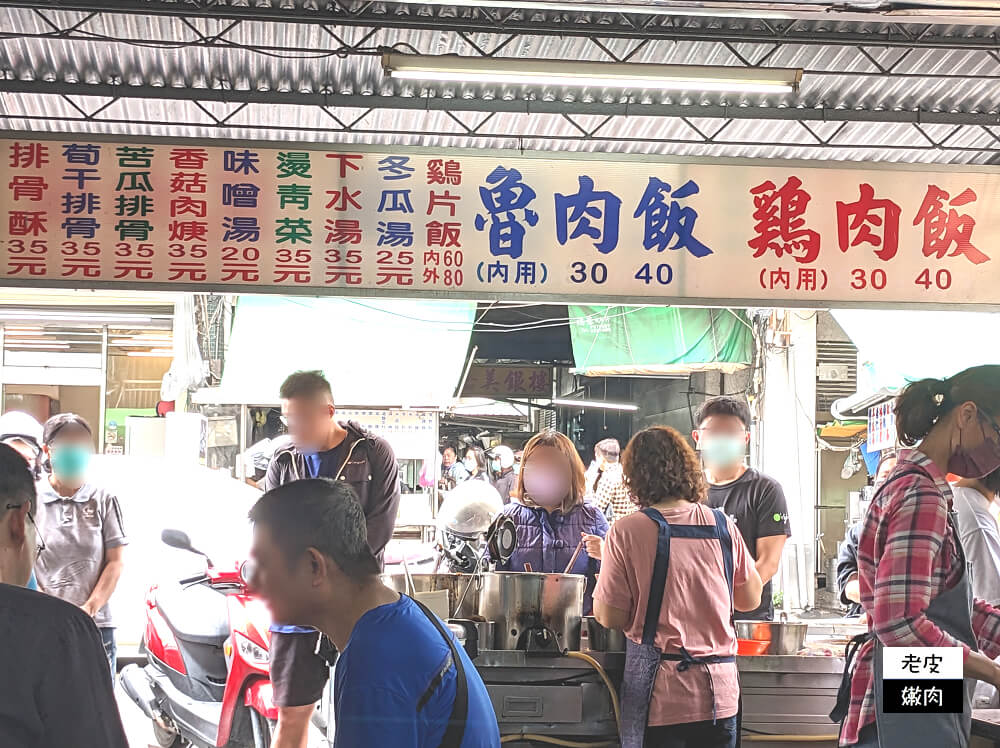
{"x": 672, "y": 575}
{"x": 551, "y": 516}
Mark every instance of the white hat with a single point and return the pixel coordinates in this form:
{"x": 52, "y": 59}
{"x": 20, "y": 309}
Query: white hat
{"x": 505, "y": 455}
{"x": 17, "y": 425}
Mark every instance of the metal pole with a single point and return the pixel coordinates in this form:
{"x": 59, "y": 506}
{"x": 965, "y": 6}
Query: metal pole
{"x": 104, "y": 390}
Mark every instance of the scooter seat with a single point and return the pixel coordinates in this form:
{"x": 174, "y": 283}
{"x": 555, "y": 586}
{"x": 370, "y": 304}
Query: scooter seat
{"x": 196, "y": 614}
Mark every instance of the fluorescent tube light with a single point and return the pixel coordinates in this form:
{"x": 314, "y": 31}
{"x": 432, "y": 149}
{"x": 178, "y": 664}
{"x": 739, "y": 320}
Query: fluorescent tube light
{"x": 517, "y": 71}
{"x": 595, "y": 404}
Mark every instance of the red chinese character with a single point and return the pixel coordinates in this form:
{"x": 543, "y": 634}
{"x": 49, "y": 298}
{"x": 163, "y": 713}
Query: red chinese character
{"x": 444, "y": 234}
{"x": 780, "y": 223}
{"x": 447, "y": 200}
{"x": 402, "y": 276}
{"x": 346, "y": 162}
{"x": 141, "y": 269}
{"x": 432, "y": 257}
{"x": 89, "y": 268}
{"x": 776, "y": 279}
{"x": 860, "y": 216}
{"x": 431, "y": 275}
{"x": 31, "y": 265}
{"x": 26, "y": 222}
{"x": 444, "y": 172}
{"x": 807, "y": 279}
{"x": 181, "y": 181}
{"x": 341, "y": 198}
{"x": 184, "y": 205}
{"x": 28, "y": 155}
{"x": 295, "y": 273}
{"x": 189, "y": 158}
{"x": 343, "y": 231}
{"x": 31, "y": 188}
{"x": 193, "y": 271}
{"x": 944, "y": 228}
{"x": 349, "y": 275}
{"x": 188, "y": 231}
{"x": 245, "y": 272}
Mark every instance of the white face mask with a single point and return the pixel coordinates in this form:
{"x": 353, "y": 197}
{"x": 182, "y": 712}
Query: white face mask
{"x": 470, "y": 464}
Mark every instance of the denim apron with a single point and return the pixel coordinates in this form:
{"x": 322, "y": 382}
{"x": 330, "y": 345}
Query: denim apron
{"x": 642, "y": 661}
{"x": 951, "y": 611}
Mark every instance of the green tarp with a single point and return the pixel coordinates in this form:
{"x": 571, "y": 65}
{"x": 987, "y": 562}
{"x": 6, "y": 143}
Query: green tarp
{"x": 651, "y": 341}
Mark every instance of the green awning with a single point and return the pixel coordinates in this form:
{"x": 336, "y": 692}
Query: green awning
{"x": 658, "y": 341}
{"x": 377, "y": 353}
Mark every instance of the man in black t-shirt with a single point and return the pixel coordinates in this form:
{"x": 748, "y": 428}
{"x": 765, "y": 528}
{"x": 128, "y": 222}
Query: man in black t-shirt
{"x": 56, "y": 690}
{"x": 755, "y": 501}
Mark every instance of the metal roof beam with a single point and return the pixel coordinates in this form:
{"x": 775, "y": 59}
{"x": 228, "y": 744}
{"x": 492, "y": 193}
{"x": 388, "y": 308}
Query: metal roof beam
{"x": 617, "y": 22}
{"x": 517, "y": 106}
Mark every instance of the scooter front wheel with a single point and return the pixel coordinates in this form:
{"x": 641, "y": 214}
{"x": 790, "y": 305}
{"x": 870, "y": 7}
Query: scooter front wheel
{"x": 263, "y": 729}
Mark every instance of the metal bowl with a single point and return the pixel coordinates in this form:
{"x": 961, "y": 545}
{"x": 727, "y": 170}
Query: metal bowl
{"x": 784, "y": 638}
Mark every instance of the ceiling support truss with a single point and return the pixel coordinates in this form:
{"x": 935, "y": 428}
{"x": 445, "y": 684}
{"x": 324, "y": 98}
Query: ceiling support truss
{"x": 350, "y": 114}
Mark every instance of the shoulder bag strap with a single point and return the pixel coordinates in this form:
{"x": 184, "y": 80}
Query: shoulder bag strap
{"x": 726, "y": 540}
{"x": 455, "y": 732}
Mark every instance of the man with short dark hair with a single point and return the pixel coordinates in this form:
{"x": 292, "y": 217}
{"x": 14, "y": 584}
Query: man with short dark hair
{"x": 753, "y": 500}
{"x": 402, "y": 679}
{"x": 56, "y": 688}
{"x": 322, "y": 447}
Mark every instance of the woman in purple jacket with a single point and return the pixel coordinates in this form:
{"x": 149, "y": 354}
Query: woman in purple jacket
{"x": 551, "y": 517}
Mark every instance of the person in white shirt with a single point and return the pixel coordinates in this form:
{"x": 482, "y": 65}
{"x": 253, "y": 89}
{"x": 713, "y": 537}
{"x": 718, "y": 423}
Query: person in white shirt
{"x": 977, "y": 527}
{"x": 979, "y": 532}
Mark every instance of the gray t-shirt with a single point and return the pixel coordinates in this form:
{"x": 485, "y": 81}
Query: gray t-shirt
{"x": 77, "y": 531}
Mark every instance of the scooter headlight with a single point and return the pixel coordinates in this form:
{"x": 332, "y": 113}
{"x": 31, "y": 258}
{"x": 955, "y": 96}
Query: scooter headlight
{"x": 251, "y": 652}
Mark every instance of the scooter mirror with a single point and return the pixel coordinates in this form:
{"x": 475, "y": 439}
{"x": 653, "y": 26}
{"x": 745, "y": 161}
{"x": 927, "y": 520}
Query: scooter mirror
{"x": 176, "y": 539}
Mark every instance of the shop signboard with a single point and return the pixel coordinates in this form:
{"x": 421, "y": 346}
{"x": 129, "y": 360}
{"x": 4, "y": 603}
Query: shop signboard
{"x": 882, "y": 426}
{"x": 493, "y": 225}
{"x": 508, "y": 381}
{"x": 411, "y": 433}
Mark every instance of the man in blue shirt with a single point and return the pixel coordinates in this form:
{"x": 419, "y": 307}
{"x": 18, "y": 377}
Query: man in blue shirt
{"x": 402, "y": 680}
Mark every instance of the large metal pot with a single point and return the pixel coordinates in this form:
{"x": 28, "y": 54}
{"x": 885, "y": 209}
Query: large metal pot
{"x": 455, "y": 584}
{"x": 785, "y": 637}
{"x": 521, "y": 602}
{"x": 595, "y": 638}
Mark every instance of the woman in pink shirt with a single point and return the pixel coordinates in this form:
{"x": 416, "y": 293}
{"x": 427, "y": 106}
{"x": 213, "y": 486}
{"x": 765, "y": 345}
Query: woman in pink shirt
{"x": 671, "y": 575}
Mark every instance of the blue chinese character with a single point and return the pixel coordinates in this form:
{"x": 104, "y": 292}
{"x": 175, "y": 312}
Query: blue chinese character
{"x": 527, "y": 273}
{"x": 497, "y": 271}
{"x": 395, "y": 167}
{"x": 395, "y": 201}
{"x": 395, "y": 234}
{"x": 88, "y": 155}
{"x": 240, "y": 162}
{"x": 85, "y": 202}
{"x": 664, "y": 221}
{"x": 243, "y": 195}
{"x": 586, "y": 205}
{"x": 504, "y": 194}
{"x": 241, "y": 229}
{"x": 81, "y": 177}
{"x": 83, "y": 226}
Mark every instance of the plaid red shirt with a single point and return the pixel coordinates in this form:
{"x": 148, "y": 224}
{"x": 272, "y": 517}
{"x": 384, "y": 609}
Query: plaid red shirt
{"x": 908, "y": 554}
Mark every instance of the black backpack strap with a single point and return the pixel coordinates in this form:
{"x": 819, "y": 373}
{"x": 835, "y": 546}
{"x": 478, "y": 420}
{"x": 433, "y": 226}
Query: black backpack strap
{"x": 455, "y": 732}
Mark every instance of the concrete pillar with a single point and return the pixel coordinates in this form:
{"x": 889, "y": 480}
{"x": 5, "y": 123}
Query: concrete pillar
{"x": 787, "y": 444}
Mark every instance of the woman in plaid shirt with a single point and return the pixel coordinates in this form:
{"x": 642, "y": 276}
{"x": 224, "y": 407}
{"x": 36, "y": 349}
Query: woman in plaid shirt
{"x": 912, "y": 571}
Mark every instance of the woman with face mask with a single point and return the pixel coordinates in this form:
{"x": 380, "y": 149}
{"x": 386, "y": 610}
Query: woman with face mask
{"x": 81, "y": 525}
{"x": 550, "y": 515}
{"x": 912, "y": 569}
{"x": 474, "y": 462}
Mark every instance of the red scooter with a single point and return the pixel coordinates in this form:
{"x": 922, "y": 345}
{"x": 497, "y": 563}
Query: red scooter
{"x": 206, "y": 683}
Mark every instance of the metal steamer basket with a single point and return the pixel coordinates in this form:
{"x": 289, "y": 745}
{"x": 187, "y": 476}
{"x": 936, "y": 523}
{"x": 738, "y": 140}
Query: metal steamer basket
{"x": 533, "y": 612}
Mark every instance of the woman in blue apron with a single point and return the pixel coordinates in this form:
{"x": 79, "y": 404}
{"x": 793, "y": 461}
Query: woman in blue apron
{"x": 912, "y": 570}
{"x": 670, "y": 577}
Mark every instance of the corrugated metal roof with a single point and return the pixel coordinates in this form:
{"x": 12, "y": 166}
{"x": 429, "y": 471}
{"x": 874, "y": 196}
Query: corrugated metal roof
{"x": 836, "y": 77}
